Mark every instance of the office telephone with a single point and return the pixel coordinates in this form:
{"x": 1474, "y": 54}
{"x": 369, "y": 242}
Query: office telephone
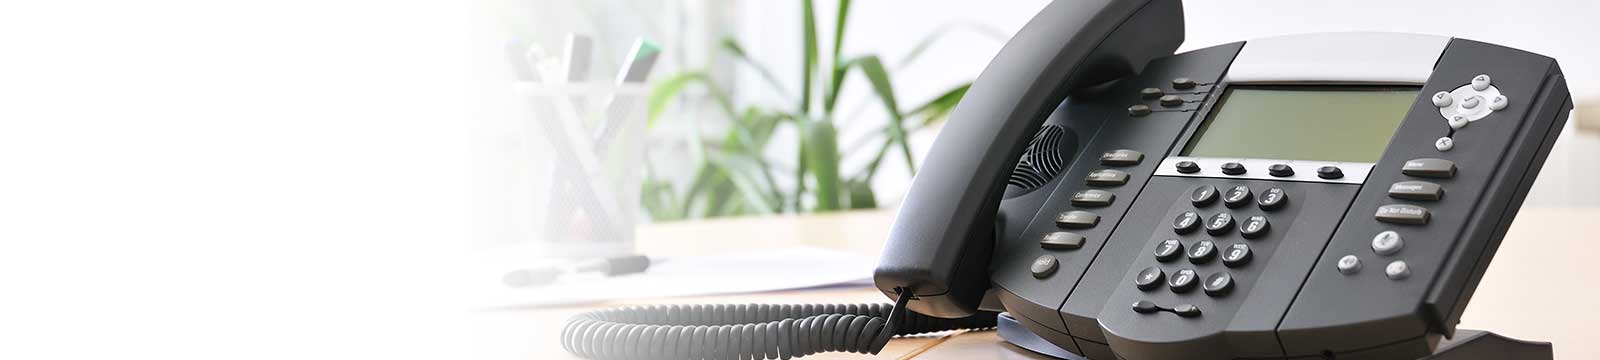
{"x": 1332, "y": 195}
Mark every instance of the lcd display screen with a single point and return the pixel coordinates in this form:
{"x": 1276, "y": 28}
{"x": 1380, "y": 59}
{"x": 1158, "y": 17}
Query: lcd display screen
{"x": 1323, "y": 123}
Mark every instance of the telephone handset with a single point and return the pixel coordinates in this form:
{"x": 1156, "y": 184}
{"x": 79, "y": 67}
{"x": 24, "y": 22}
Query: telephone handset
{"x": 1305, "y": 196}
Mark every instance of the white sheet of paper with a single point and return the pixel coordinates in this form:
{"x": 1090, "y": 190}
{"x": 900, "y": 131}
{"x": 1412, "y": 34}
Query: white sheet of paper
{"x": 757, "y": 271}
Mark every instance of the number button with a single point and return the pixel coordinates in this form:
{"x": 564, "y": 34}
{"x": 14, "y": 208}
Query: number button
{"x": 1272, "y": 199}
{"x": 1237, "y": 196}
{"x": 1149, "y": 278}
{"x": 1203, "y": 195}
{"x": 1237, "y": 255}
{"x": 1202, "y": 252}
{"x": 1168, "y": 250}
{"x": 1186, "y": 222}
{"x": 1182, "y": 281}
{"x": 1254, "y": 227}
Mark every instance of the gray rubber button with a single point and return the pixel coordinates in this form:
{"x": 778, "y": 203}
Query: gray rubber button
{"x": 1387, "y": 243}
{"x": 1498, "y": 102}
{"x": 1480, "y": 82}
{"x": 1349, "y": 264}
{"x": 1397, "y": 270}
{"x": 1416, "y": 190}
{"x": 1402, "y": 214}
{"x": 1442, "y": 99}
{"x": 1093, "y": 198}
{"x": 1061, "y": 240}
{"x": 1444, "y": 143}
{"x": 1457, "y": 122}
{"x": 1430, "y": 168}
{"x": 1077, "y": 219}
{"x": 1044, "y": 266}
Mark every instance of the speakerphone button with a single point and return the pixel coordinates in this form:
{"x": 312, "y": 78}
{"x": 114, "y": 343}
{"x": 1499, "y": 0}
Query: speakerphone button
{"x": 1044, "y": 266}
{"x": 1238, "y": 196}
{"x": 1272, "y": 199}
{"x": 1203, "y": 195}
{"x": 1149, "y": 278}
{"x": 1480, "y": 82}
{"x": 1183, "y": 281}
{"x": 1168, "y": 250}
{"x": 1186, "y": 222}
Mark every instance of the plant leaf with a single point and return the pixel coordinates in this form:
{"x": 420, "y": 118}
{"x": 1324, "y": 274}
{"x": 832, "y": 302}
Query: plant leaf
{"x": 861, "y": 196}
{"x": 879, "y": 78}
{"x": 838, "y": 65}
{"x": 732, "y": 46}
{"x": 669, "y": 88}
{"x": 822, "y": 159}
{"x": 808, "y": 30}
{"x": 939, "y": 107}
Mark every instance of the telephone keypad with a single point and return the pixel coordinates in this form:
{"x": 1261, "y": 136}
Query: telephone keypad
{"x": 1218, "y": 284}
{"x": 1254, "y": 227}
{"x": 1237, "y": 255}
{"x": 1202, "y": 252}
{"x": 1237, "y": 196}
{"x": 1186, "y": 222}
{"x": 1168, "y": 250}
{"x": 1183, "y": 281}
{"x": 1203, "y": 195}
{"x": 1149, "y": 278}
{"x": 1219, "y": 224}
{"x": 1272, "y": 199}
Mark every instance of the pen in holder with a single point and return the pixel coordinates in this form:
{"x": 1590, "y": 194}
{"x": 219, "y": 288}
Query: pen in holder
{"x": 595, "y": 131}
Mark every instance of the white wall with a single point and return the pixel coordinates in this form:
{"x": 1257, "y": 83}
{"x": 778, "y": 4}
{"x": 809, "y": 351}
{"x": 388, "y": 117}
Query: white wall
{"x": 1564, "y": 29}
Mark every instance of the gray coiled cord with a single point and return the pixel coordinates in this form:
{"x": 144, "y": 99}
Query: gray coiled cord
{"x": 752, "y": 331}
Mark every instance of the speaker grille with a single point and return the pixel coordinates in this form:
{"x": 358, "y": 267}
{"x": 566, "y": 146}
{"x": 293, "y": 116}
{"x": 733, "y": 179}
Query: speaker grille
{"x": 1042, "y": 161}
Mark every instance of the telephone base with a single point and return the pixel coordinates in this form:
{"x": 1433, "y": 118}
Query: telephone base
{"x": 1467, "y": 345}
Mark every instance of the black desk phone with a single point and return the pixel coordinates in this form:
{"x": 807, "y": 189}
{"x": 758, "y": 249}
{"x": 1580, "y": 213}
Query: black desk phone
{"x": 1331, "y": 195}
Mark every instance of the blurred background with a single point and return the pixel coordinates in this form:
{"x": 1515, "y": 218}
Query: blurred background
{"x": 731, "y": 114}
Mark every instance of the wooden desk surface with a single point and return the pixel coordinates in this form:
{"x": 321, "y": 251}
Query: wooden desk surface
{"x": 1538, "y": 287}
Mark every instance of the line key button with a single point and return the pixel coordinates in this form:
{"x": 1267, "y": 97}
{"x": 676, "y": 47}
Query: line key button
{"x": 1402, "y": 214}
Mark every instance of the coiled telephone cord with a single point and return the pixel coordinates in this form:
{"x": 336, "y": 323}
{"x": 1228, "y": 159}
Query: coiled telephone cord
{"x": 753, "y": 331}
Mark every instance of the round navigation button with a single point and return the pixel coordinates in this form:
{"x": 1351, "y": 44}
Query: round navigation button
{"x": 1498, "y": 102}
{"x": 1444, "y": 144}
{"x": 1186, "y": 222}
{"x": 1203, "y": 195}
{"x": 1349, "y": 264}
{"x": 1149, "y": 278}
{"x": 1044, "y": 266}
{"x": 1480, "y": 82}
{"x": 1168, "y": 250}
{"x": 1472, "y": 102}
{"x": 1442, "y": 99}
{"x": 1397, "y": 270}
{"x": 1183, "y": 83}
{"x": 1330, "y": 172}
{"x": 1387, "y": 243}
{"x": 1457, "y": 121}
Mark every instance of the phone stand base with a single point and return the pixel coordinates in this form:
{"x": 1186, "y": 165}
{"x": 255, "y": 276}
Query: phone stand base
{"x": 1467, "y": 345}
